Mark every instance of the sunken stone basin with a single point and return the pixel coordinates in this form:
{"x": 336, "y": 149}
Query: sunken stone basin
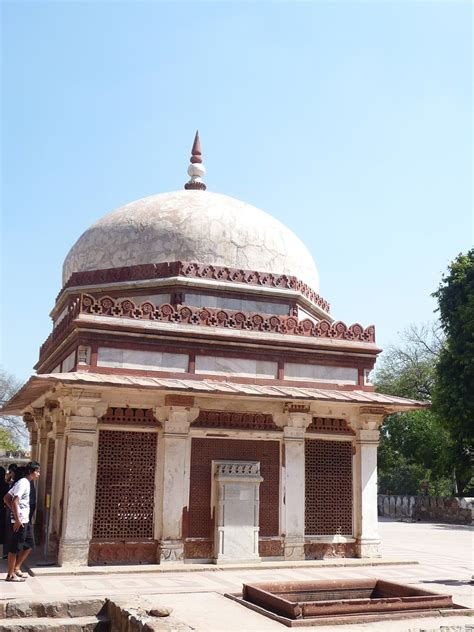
{"x": 342, "y": 601}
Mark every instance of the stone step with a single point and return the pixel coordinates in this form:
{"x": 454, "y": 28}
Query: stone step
{"x": 20, "y": 608}
{"x": 94, "y": 623}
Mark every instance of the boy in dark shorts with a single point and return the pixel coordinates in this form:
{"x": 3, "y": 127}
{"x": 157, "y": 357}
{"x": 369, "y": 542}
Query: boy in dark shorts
{"x": 17, "y": 500}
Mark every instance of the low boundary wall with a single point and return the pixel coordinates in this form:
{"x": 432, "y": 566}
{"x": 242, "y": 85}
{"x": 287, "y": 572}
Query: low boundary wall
{"x": 428, "y": 508}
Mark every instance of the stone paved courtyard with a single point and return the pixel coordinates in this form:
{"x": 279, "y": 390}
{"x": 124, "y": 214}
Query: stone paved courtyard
{"x": 444, "y": 553}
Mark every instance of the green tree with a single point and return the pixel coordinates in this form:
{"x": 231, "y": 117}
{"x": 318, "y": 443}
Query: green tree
{"x": 416, "y": 452}
{"x": 416, "y": 455}
{"x": 6, "y": 441}
{"x": 453, "y": 395}
{"x": 13, "y": 433}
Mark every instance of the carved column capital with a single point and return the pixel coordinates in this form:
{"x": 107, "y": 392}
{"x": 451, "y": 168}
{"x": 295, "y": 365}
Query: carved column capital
{"x": 76, "y": 425}
{"x": 58, "y": 420}
{"x": 294, "y": 423}
{"x": 83, "y": 404}
{"x": 368, "y": 418}
{"x": 176, "y": 419}
{"x": 30, "y": 423}
{"x": 367, "y": 437}
{"x": 44, "y": 430}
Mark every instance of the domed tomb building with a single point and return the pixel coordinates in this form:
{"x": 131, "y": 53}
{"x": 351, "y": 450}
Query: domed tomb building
{"x": 196, "y": 400}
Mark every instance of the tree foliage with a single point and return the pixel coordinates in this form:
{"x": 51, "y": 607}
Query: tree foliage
{"x": 13, "y": 434}
{"x": 417, "y": 453}
{"x": 453, "y": 396}
{"x": 408, "y": 368}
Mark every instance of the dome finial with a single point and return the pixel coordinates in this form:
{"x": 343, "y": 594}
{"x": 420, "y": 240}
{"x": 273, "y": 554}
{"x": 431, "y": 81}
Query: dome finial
{"x": 196, "y": 169}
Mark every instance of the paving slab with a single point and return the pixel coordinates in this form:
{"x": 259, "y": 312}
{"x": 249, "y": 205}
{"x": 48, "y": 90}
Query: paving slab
{"x": 37, "y": 571}
{"x": 444, "y": 554}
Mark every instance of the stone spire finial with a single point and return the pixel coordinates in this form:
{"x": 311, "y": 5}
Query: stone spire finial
{"x": 196, "y": 169}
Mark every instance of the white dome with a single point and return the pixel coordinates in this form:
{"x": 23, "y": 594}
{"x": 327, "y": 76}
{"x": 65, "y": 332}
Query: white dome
{"x": 196, "y": 226}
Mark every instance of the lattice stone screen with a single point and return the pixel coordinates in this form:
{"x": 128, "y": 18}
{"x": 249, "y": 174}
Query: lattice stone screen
{"x": 203, "y": 451}
{"x": 328, "y": 509}
{"x": 124, "y": 501}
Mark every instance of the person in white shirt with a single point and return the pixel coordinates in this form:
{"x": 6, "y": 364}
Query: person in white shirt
{"x": 22, "y": 541}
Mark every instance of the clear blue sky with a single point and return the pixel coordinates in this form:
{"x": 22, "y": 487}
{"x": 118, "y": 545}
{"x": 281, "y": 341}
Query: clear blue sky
{"x": 348, "y": 121}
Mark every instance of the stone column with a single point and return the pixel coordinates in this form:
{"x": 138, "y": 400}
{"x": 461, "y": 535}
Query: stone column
{"x": 44, "y": 425}
{"x": 293, "y": 482}
{"x": 365, "y": 492}
{"x": 172, "y": 479}
{"x": 33, "y": 432}
{"x": 79, "y": 484}
{"x": 59, "y": 426}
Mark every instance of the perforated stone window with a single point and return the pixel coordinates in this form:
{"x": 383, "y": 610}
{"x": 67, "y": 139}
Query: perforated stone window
{"x": 328, "y": 508}
{"x": 124, "y": 501}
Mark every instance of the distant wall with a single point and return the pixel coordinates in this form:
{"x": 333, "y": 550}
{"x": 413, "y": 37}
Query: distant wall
{"x": 10, "y": 456}
{"x": 428, "y": 508}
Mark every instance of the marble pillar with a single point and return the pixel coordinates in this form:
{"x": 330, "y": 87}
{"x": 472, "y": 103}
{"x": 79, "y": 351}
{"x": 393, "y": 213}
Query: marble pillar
{"x": 174, "y": 450}
{"x": 59, "y": 426}
{"x": 34, "y": 435}
{"x": 293, "y": 483}
{"x": 43, "y": 461}
{"x": 79, "y": 488}
{"x": 365, "y": 493}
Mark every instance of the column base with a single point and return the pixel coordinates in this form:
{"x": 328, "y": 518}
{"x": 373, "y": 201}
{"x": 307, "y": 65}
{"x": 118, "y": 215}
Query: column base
{"x": 222, "y": 560}
{"x": 73, "y": 553}
{"x": 368, "y": 547}
{"x": 53, "y": 545}
{"x": 171, "y": 551}
{"x": 293, "y": 550}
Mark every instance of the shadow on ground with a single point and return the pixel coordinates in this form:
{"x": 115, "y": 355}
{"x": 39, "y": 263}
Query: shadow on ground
{"x": 446, "y": 582}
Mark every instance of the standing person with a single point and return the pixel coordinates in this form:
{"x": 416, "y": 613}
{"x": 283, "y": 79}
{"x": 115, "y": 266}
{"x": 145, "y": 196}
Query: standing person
{"x": 10, "y": 478}
{"x": 22, "y": 541}
{"x": 4, "y": 487}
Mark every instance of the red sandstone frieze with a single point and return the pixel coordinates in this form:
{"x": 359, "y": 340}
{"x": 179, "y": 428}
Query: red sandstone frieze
{"x": 129, "y": 416}
{"x": 230, "y": 319}
{"x": 329, "y": 426}
{"x": 197, "y": 271}
{"x": 237, "y": 420}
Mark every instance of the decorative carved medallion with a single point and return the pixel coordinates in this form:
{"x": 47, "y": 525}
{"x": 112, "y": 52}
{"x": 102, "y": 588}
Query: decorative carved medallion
{"x": 271, "y": 547}
{"x": 324, "y": 550}
{"x": 171, "y": 551}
